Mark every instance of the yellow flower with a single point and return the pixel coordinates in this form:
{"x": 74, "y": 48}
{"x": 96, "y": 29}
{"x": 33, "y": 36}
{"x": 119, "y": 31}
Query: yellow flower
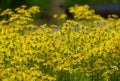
{"x": 63, "y": 16}
{"x": 114, "y": 68}
{"x": 55, "y": 16}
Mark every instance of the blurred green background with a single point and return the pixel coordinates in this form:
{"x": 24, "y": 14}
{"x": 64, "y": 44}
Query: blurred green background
{"x": 90, "y": 2}
{"x": 46, "y": 3}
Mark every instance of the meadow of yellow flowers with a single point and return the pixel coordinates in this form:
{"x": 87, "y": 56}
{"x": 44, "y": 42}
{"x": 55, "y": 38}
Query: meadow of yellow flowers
{"x": 86, "y": 48}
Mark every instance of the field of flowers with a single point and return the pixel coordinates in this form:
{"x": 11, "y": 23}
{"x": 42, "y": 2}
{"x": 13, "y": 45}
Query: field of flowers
{"x": 86, "y": 48}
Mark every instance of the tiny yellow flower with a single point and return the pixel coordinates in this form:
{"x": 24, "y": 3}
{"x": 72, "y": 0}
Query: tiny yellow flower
{"x": 63, "y": 16}
{"x": 55, "y": 16}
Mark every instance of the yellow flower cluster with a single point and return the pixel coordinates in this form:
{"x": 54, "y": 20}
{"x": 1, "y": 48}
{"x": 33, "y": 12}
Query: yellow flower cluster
{"x": 62, "y": 16}
{"x": 83, "y": 12}
{"x": 82, "y": 50}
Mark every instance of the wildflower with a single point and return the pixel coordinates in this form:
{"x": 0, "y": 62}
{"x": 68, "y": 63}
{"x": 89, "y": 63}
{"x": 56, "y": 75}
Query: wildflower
{"x": 55, "y": 16}
{"x": 63, "y": 16}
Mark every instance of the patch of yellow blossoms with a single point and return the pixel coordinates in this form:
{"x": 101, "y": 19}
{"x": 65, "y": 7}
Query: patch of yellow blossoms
{"x": 88, "y": 47}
